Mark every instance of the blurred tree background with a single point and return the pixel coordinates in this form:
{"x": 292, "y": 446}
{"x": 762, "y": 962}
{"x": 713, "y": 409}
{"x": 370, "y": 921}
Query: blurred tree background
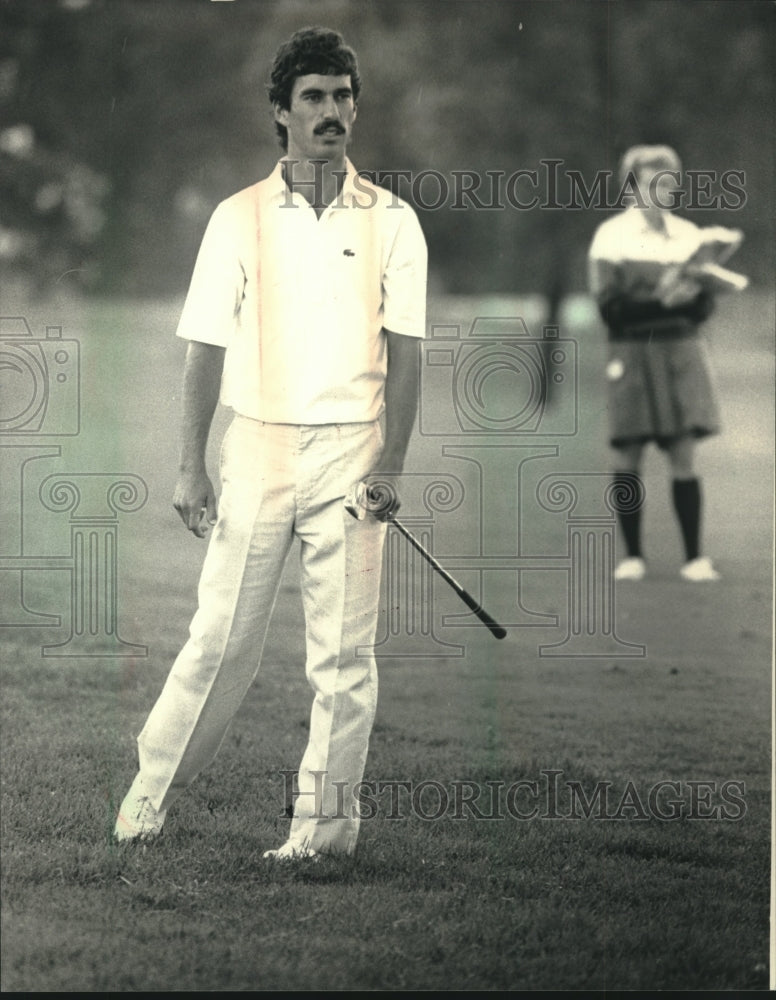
{"x": 124, "y": 122}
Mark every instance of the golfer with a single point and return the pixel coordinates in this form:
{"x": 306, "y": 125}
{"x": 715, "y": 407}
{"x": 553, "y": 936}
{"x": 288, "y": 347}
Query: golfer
{"x": 660, "y": 389}
{"x": 305, "y": 311}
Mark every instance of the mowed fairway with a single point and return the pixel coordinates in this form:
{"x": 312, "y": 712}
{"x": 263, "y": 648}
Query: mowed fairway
{"x": 535, "y": 822}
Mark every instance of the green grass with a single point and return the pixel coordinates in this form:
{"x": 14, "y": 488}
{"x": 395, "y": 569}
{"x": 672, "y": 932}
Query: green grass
{"x": 501, "y": 904}
{"x": 450, "y": 904}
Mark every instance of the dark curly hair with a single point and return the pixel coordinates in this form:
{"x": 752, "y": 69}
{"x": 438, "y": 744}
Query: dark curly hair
{"x": 310, "y": 50}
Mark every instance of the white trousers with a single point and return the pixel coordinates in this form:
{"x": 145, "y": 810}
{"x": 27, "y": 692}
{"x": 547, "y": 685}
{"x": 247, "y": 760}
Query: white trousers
{"x": 281, "y": 481}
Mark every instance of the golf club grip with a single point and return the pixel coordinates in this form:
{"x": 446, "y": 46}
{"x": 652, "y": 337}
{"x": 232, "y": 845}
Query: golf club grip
{"x": 497, "y": 630}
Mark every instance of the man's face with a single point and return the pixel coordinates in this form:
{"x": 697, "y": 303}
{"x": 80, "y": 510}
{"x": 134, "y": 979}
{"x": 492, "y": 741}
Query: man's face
{"x": 320, "y": 117}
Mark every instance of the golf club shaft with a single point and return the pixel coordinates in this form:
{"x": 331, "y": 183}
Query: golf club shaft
{"x": 497, "y": 630}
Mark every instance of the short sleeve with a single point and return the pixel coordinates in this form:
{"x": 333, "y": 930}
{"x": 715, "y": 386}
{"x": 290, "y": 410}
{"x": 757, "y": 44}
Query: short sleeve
{"x": 405, "y": 277}
{"x": 603, "y": 265}
{"x": 217, "y": 284}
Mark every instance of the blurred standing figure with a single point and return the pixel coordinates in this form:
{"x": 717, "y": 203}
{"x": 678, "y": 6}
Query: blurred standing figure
{"x": 305, "y": 308}
{"x": 659, "y": 383}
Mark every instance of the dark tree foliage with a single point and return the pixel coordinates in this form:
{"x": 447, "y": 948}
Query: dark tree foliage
{"x": 125, "y": 121}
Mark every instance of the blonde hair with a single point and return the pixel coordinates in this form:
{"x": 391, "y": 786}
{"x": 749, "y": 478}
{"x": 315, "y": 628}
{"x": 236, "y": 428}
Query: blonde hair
{"x": 648, "y": 156}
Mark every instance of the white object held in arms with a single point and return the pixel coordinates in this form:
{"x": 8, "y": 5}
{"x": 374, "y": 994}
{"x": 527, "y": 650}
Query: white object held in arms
{"x": 703, "y": 270}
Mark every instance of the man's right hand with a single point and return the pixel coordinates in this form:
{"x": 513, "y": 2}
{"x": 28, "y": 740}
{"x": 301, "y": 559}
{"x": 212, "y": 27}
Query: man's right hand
{"x": 195, "y": 500}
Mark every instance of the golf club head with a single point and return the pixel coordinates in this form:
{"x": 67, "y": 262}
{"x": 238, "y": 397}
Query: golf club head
{"x": 378, "y": 499}
{"x": 356, "y": 501}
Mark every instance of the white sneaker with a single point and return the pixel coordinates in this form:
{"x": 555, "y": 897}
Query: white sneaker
{"x": 699, "y": 570}
{"x": 137, "y": 818}
{"x": 632, "y": 568}
{"x": 292, "y": 851}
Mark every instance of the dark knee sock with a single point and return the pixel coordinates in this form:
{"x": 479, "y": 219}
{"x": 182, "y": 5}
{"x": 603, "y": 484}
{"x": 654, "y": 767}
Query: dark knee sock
{"x": 627, "y": 493}
{"x": 687, "y": 504}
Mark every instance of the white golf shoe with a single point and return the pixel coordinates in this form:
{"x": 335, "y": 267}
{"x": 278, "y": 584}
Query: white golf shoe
{"x": 292, "y": 851}
{"x": 700, "y": 570}
{"x": 137, "y": 818}
{"x": 632, "y": 568}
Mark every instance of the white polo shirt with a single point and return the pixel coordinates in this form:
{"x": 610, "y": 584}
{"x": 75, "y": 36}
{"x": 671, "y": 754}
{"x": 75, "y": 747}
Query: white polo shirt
{"x": 300, "y": 303}
{"x": 629, "y": 256}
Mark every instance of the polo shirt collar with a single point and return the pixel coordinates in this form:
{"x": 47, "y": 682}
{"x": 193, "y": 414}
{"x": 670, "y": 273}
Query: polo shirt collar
{"x": 278, "y": 190}
{"x": 640, "y": 224}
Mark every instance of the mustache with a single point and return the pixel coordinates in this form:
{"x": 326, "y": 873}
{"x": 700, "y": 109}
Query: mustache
{"x": 320, "y": 129}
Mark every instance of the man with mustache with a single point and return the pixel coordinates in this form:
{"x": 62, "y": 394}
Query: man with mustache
{"x": 305, "y": 307}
